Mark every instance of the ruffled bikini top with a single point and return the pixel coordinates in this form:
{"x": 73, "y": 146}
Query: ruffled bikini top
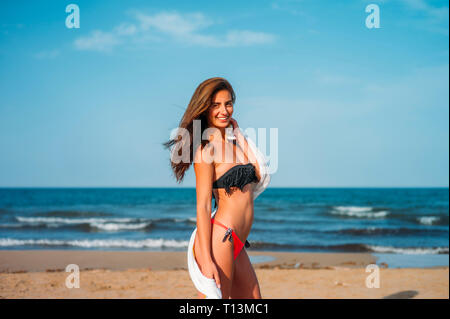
{"x": 237, "y": 176}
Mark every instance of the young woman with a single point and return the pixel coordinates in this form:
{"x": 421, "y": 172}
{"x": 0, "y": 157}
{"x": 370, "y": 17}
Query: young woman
{"x": 226, "y": 170}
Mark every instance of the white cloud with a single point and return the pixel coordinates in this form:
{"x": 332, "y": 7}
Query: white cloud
{"x": 98, "y": 41}
{"x": 174, "y": 23}
{"x": 334, "y": 79}
{"x": 186, "y": 28}
{"x": 244, "y": 37}
{"x": 173, "y": 26}
{"x": 50, "y": 54}
{"x": 421, "y": 5}
{"x": 125, "y": 29}
{"x": 434, "y": 19}
{"x": 291, "y": 6}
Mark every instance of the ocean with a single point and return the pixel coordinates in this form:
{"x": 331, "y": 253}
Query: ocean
{"x": 405, "y": 221}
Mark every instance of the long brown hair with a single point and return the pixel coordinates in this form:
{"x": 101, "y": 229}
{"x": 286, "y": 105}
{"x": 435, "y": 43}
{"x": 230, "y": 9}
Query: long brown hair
{"x": 197, "y": 110}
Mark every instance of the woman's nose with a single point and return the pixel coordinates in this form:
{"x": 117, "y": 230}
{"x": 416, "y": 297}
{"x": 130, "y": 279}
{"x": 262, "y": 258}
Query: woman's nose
{"x": 223, "y": 110}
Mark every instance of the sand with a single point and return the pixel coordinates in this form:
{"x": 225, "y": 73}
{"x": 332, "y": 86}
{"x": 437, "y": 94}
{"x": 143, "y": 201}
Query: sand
{"x": 125, "y": 274}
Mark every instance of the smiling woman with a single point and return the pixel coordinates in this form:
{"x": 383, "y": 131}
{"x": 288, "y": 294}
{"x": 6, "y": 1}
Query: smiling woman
{"x": 218, "y": 263}
{"x": 201, "y": 107}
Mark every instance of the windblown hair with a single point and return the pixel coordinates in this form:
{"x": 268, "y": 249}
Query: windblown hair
{"x": 197, "y": 110}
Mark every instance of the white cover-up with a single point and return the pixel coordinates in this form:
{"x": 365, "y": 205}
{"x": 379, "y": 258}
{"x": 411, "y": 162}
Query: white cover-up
{"x": 205, "y": 285}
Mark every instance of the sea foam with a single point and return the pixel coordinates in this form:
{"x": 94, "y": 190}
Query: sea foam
{"x": 358, "y": 211}
{"x": 96, "y": 243}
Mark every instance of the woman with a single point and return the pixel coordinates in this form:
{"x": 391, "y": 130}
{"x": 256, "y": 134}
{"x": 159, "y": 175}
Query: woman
{"x": 226, "y": 171}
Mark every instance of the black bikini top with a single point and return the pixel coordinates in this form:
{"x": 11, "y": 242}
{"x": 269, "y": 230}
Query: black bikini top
{"x": 237, "y": 176}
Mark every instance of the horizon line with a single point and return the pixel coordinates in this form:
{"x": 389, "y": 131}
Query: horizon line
{"x": 193, "y": 187}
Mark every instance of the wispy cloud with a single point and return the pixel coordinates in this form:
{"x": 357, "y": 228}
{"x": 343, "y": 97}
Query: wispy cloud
{"x": 98, "y": 41}
{"x": 189, "y": 28}
{"x": 327, "y": 78}
{"x": 435, "y": 19}
{"x": 439, "y": 13}
{"x": 125, "y": 29}
{"x": 6, "y": 27}
{"x": 48, "y": 54}
{"x": 173, "y": 23}
{"x": 289, "y": 6}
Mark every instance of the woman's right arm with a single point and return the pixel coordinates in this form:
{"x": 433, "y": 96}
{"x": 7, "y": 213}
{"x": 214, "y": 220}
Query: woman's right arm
{"x": 204, "y": 174}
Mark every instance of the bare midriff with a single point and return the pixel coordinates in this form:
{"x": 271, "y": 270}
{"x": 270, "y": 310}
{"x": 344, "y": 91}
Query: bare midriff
{"x": 236, "y": 210}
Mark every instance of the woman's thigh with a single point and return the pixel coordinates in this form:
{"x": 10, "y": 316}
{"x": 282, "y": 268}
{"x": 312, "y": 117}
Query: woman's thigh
{"x": 245, "y": 284}
{"x": 222, "y": 255}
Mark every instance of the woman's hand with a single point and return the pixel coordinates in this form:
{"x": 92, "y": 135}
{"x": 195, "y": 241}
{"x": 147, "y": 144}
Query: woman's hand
{"x": 236, "y": 129}
{"x": 210, "y": 271}
{"x": 234, "y": 123}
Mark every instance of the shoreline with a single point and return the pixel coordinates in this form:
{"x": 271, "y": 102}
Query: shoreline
{"x": 48, "y": 260}
{"x": 56, "y": 260}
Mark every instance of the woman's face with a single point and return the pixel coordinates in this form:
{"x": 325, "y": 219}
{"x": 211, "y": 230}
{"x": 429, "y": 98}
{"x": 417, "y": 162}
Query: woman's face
{"x": 221, "y": 110}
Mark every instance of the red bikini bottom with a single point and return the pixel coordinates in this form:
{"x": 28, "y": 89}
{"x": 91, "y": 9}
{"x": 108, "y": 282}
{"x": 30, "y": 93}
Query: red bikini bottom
{"x": 238, "y": 245}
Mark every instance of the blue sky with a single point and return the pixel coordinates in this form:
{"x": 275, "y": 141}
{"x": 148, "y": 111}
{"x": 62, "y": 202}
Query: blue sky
{"x": 354, "y": 106}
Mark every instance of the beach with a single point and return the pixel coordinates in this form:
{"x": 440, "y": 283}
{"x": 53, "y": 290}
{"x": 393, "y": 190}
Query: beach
{"x": 163, "y": 275}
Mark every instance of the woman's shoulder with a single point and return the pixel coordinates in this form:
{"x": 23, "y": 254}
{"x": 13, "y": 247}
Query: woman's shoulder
{"x": 204, "y": 154}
